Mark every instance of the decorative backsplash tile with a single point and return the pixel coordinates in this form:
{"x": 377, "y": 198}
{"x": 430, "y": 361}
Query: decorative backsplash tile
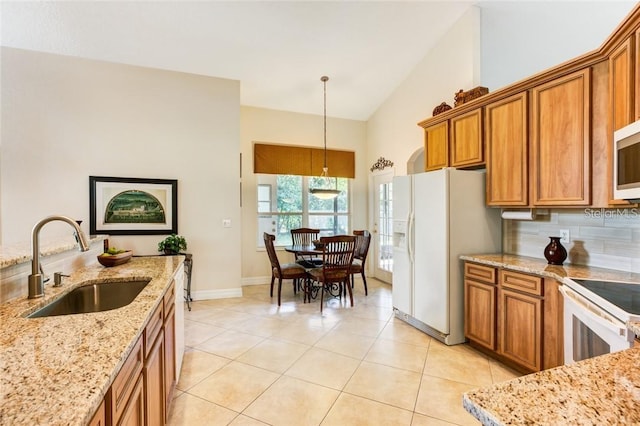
{"x": 605, "y": 238}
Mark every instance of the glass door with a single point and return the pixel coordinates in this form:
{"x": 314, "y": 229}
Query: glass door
{"x": 383, "y": 225}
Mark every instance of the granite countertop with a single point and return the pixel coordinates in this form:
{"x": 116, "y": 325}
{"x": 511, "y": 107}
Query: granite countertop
{"x": 57, "y": 370}
{"x": 17, "y": 253}
{"x": 600, "y": 390}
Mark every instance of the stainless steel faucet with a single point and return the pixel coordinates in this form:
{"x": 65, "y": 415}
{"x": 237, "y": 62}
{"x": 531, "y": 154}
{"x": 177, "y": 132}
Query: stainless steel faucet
{"x": 36, "y": 280}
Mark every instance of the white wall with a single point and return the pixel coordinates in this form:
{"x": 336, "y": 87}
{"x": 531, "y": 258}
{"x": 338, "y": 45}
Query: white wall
{"x": 392, "y": 131}
{"x": 287, "y": 128}
{"x": 522, "y": 38}
{"x": 64, "y": 119}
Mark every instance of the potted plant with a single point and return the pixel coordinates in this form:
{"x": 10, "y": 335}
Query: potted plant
{"x": 173, "y": 244}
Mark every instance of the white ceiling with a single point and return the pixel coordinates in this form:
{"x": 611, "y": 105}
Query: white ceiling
{"x": 278, "y": 50}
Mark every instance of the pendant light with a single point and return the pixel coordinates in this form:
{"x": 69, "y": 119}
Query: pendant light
{"x": 325, "y": 192}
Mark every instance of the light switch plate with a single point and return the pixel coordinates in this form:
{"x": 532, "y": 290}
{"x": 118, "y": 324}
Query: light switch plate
{"x": 565, "y": 236}
{"x": 226, "y": 223}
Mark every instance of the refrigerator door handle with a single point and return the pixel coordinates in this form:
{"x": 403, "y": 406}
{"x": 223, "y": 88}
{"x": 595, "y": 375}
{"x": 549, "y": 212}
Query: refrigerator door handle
{"x": 410, "y": 224}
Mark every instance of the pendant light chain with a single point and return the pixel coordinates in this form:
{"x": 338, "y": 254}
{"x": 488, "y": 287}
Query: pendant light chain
{"x": 324, "y": 82}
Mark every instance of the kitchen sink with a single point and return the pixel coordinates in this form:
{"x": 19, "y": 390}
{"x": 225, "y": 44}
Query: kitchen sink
{"x": 93, "y": 298}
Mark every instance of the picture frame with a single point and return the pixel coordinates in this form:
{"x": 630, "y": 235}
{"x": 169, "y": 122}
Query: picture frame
{"x": 133, "y": 206}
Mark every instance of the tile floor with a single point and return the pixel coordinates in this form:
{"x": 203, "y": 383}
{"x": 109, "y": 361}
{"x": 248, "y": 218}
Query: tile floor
{"x": 248, "y": 362}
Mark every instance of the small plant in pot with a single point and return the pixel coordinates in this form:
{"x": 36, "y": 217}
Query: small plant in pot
{"x": 173, "y": 244}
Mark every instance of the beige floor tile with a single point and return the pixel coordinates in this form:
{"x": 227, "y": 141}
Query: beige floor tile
{"x": 361, "y": 326}
{"x": 273, "y": 355}
{"x": 188, "y": 410}
{"x": 502, "y": 373}
{"x": 197, "y": 332}
{"x": 324, "y": 368}
{"x": 225, "y": 318}
{"x": 196, "y": 366}
{"x": 397, "y": 354}
{"x": 300, "y": 332}
{"x": 355, "y": 346}
{"x": 400, "y": 331}
{"x": 291, "y": 401}
{"x": 385, "y": 384}
{"x": 442, "y": 399}
{"x": 420, "y": 420}
{"x": 242, "y": 420}
{"x": 350, "y": 409}
{"x": 230, "y": 344}
{"x": 458, "y": 363}
{"x": 264, "y": 326}
{"x": 234, "y": 386}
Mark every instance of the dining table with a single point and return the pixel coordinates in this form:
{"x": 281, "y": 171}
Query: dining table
{"x": 307, "y": 258}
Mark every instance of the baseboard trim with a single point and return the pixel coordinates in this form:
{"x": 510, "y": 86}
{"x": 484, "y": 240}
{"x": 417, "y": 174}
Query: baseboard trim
{"x": 216, "y": 294}
{"x": 256, "y": 280}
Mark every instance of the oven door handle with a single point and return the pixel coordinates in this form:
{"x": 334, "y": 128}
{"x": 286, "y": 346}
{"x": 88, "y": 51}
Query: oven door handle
{"x": 590, "y": 310}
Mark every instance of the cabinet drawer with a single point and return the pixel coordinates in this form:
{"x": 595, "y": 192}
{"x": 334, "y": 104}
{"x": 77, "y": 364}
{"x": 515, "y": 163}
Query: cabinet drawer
{"x": 524, "y": 282}
{"x": 169, "y": 298}
{"x": 152, "y": 329}
{"x": 486, "y": 274}
{"x": 125, "y": 382}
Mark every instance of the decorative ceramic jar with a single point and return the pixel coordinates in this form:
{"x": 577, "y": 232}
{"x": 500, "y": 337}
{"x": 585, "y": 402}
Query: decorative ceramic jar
{"x": 554, "y": 252}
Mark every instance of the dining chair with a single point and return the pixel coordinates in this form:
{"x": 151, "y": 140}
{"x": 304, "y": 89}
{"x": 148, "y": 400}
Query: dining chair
{"x": 285, "y": 271}
{"x": 337, "y": 256}
{"x": 363, "y": 240}
{"x": 305, "y": 237}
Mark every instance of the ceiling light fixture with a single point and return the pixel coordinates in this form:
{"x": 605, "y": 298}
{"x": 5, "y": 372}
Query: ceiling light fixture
{"x": 325, "y": 192}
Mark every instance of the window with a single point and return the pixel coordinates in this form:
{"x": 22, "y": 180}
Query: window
{"x": 284, "y": 203}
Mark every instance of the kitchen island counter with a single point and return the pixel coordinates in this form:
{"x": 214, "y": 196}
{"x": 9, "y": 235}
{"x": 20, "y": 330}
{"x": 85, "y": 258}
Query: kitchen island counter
{"x": 56, "y": 370}
{"x": 600, "y": 390}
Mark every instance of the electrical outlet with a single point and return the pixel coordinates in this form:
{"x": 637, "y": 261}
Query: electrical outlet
{"x": 565, "y": 236}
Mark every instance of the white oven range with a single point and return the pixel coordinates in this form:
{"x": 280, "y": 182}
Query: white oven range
{"x": 595, "y": 317}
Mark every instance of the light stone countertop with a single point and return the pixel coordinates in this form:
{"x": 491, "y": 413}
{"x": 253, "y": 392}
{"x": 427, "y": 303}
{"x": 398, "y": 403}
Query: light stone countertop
{"x": 600, "y": 390}
{"x": 56, "y": 370}
{"x": 14, "y": 254}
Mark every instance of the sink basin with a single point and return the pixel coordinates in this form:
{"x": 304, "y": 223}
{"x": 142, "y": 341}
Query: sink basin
{"x": 93, "y": 298}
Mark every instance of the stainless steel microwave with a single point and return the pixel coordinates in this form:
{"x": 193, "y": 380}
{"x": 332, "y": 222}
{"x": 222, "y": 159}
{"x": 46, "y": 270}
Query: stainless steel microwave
{"x": 626, "y": 162}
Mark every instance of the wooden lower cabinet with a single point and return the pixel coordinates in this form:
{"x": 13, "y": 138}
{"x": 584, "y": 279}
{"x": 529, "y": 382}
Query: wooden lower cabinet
{"x": 480, "y": 313}
{"x": 520, "y": 328}
{"x": 154, "y": 383}
{"x": 133, "y": 413}
{"x": 517, "y": 320}
{"x": 142, "y": 391}
{"x": 100, "y": 416}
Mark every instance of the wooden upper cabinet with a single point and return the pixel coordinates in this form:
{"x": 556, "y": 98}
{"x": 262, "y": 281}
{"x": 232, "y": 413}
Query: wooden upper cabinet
{"x": 560, "y": 141}
{"x": 507, "y": 143}
{"x": 467, "y": 147}
{"x": 436, "y": 146}
{"x": 621, "y": 85}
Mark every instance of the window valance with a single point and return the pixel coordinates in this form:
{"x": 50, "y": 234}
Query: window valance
{"x": 304, "y": 161}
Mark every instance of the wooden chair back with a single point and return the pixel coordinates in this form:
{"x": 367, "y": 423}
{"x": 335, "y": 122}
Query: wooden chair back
{"x": 337, "y": 256}
{"x": 363, "y": 241}
{"x": 271, "y": 251}
{"x": 304, "y": 236}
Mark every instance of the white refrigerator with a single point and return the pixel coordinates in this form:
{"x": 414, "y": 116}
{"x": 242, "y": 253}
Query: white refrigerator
{"x": 438, "y": 216}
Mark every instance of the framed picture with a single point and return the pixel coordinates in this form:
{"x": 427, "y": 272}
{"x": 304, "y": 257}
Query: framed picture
{"x": 133, "y": 206}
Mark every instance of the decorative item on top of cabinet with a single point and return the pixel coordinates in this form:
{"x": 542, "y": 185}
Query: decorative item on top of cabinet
{"x": 462, "y": 97}
{"x": 441, "y": 108}
{"x": 466, "y": 144}
{"x": 436, "y": 146}
{"x": 506, "y": 135}
{"x": 560, "y": 139}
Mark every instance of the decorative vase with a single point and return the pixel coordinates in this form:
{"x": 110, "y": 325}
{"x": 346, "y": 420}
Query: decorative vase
{"x": 554, "y": 252}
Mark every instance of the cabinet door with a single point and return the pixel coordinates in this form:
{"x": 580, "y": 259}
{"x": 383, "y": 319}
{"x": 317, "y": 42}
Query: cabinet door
{"x": 621, "y": 87}
{"x": 154, "y": 383}
{"x": 100, "y": 416}
{"x": 436, "y": 146}
{"x": 507, "y": 143}
{"x": 560, "y": 136}
{"x": 466, "y": 140}
{"x": 169, "y": 358}
{"x": 480, "y": 313}
{"x": 520, "y": 328}
{"x": 133, "y": 414}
